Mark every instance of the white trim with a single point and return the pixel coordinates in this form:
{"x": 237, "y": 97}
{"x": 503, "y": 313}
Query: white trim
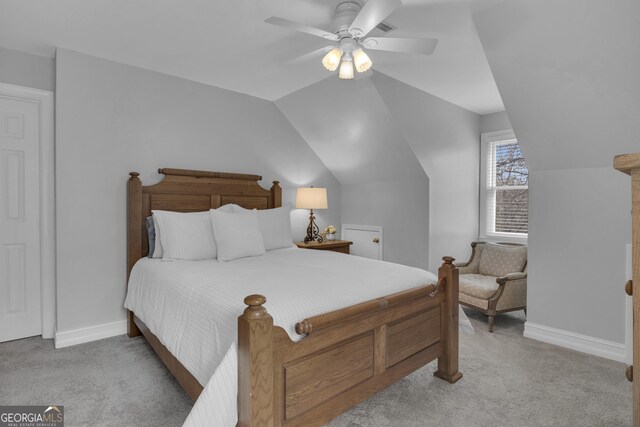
{"x": 375, "y": 228}
{"x": 583, "y": 343}
{"x": 91, "y": 333}
{"x": 504, "y": 237}
{"x": 44, "y": 99}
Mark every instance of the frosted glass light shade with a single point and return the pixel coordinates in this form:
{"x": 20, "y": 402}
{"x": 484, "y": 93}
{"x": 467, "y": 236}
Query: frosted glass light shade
{"x": 311, "y": 198}
{"x": 346, "y": 70}
{"x": 361, "y": 60}
{"x": 332, "y": 59}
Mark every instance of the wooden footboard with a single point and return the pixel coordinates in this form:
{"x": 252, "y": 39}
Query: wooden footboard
{"x": 347, "y": 355}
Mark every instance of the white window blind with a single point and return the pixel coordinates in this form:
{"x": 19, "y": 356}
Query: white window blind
{"x": 505, "y": 189}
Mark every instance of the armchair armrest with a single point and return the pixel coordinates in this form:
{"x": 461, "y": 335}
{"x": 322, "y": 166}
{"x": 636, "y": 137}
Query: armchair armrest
{"x": 469, "y": 266}
{"x": 510, "y": 277}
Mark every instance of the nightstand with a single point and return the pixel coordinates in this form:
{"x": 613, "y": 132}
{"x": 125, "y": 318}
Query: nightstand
{"x": 341, "y": 246}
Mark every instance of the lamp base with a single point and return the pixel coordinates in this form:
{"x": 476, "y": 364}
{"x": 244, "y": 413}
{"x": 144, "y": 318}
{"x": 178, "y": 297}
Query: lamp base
{"x": 312, "y": 230}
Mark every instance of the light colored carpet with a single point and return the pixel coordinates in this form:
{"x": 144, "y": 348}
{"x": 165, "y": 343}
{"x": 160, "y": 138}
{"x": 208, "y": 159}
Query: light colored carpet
{"x": 508, "y": 381}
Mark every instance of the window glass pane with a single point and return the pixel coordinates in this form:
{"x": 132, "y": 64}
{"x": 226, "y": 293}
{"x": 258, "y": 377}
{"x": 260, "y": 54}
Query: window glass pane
{"x": 510, "y": 166}
{"x": 512, "y": 211}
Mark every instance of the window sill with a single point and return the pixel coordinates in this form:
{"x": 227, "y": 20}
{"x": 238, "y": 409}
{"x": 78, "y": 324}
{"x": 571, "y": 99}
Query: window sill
{"x": 497, "y": 238}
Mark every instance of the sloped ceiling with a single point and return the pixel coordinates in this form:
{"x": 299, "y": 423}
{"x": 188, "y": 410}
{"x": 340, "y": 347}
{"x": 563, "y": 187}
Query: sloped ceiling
{"x": 444, "y": 139}
{"x": 228, "y": 45}
{"x": 380, "y": 130}
{"x": 568, "y": 72}
{"x": 350, "y": 128}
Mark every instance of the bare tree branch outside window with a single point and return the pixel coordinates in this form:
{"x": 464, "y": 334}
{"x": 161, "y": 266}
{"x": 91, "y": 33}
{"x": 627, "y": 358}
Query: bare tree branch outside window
{"x": 512, "y": 204}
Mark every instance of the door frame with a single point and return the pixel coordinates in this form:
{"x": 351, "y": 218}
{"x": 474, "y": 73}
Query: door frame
{"x": 375, "y": 228}
{"x": 44, "y": 99}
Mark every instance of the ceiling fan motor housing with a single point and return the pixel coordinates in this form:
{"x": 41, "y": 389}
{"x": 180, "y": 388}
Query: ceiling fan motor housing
{"x": 345, "y": 14}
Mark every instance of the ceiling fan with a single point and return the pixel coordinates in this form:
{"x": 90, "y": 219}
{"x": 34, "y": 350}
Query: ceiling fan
{"x": 352, "y": 23}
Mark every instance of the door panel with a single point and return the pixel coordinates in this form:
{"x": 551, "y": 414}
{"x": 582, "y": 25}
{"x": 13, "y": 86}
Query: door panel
{"x": 367, "y": 241}
{"x": 20, "y": 305}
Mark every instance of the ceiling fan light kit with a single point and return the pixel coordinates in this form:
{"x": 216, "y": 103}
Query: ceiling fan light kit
{"x": 361, "y": 60}
{"x": 346, "y": 68}
{"x": 352, "y": 24}
{"x": 332, "y": 59}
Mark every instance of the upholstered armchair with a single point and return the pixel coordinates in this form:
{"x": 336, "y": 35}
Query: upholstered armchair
{"x": 494, "y": 280}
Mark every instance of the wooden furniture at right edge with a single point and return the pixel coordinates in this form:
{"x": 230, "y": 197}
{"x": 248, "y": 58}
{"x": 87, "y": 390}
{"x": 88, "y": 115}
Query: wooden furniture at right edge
{"x": 630, "y": 164}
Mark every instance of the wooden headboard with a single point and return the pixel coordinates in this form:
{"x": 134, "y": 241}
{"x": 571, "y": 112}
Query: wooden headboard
{"x": 185, "y": 190}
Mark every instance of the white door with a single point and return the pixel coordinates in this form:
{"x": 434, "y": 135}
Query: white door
{"x": 20, "y": 312}
{"x": 367, "y": 240}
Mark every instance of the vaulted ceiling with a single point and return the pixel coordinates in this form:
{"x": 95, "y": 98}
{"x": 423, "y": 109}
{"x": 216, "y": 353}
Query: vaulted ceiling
{"x": 568, "y": 73}
{"x": 227, "y": 44}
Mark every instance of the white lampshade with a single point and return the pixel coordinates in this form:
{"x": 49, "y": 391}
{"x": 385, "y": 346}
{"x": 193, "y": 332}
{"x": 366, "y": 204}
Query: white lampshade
{"x": 311, "y": 198}
{"x": 361, "y": 60}
{"x": 332, "y": 59}
{"x": 346, "y": 70}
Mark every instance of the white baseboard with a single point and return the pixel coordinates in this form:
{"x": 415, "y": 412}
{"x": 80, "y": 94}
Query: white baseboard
{"x": 583, "y": 343}
{"x": 92, "y": 333}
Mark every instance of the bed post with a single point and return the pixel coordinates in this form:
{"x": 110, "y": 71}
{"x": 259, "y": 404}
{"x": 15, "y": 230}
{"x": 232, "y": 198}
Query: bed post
{"x": 134, "y": 236}
{"x": 276, "y": 195}
{"x": 255, "y": 365}
{"x": 448, "y": 362}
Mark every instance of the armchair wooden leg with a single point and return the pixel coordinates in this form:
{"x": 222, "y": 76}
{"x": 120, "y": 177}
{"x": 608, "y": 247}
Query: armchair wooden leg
{"x": 491, "y": 318}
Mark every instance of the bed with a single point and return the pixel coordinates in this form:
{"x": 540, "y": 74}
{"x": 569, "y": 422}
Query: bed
{"x": 308, "y": 366}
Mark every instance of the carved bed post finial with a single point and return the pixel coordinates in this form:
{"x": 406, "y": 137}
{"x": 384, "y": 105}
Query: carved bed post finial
{"x": 134, "y": 175}
{"x": 255, "y": 310}
{"x": 448, "y": 362}
{"x": 255, "y": 364}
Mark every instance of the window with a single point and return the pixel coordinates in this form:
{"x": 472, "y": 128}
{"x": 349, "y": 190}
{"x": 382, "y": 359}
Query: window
{"x": 504, "y": 199}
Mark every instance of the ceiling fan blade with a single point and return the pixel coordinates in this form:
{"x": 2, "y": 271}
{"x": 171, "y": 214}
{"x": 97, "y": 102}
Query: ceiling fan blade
{"x": 285, "y": 23}
{"x": 308, "y": 56}
{"x": 372, "y": 13}
{"x": 392, "y": 44}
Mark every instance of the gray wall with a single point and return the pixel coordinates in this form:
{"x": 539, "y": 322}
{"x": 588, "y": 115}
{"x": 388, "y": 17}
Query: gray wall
{"x": 444, "y": 138}
{"x": 112, "y": 119}
{"x": 24, "y": 69}
{"x": 568, "y": 74}
{"x": 578, "y": 230}
{"x": 352, "y": 130}
{"x": 401, "y": 207}
{"x": 494, "y": 122}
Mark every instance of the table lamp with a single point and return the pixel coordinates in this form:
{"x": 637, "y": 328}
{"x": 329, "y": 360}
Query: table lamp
{"x": 312, "y": 198}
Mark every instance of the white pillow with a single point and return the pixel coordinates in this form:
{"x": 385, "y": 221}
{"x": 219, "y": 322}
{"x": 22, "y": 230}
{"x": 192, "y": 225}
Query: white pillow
{"x": 229, "y": 207}
{"x": 186, "y": 236}
{"x": 237, "y": 234}
{"x": 275, "y": 225}
{"x": 158, "y": 251}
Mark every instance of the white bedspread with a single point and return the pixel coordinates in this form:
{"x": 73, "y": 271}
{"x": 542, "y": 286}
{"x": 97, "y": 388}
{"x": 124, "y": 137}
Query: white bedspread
{"x": 192, "y": 307}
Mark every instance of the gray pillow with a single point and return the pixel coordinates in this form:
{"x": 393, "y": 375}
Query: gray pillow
{"x": 151, "y": 236}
